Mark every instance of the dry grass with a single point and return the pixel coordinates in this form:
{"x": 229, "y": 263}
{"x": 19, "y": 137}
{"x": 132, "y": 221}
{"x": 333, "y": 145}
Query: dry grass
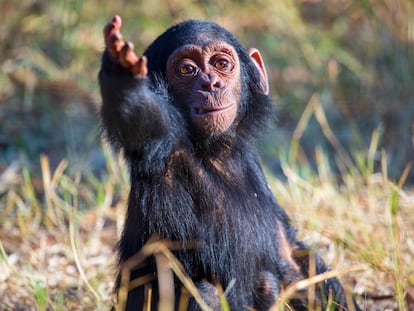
{"x": 362, "y": 218}
{"x": 58, "y": 233}
{"x": 56, "y": 254}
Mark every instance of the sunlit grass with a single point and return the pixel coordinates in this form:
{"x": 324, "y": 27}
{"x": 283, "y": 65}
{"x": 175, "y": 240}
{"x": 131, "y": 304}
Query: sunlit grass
{"x": 58, "y": 233}
{"x": 58, "y": 237}
{"x": 359, "y": 214}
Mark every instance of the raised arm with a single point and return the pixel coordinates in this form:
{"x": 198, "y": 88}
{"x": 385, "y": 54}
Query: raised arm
{"x": 136, "y": 114}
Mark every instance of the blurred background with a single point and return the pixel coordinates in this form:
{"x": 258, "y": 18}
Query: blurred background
{"x": 355, "y": 57}
{"x": 338, "y": 158}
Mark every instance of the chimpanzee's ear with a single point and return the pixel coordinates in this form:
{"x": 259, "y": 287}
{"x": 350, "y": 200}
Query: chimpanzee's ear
{"x": 258, "y": 61}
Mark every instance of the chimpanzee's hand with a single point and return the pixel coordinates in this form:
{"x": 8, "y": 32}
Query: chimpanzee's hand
{"x": 121, "y": 51}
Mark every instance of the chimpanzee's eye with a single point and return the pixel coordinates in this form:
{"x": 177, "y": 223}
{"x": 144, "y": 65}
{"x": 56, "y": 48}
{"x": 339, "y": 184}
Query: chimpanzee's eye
{"x": 222, "y": 64}
{"x": 186, "y": 69}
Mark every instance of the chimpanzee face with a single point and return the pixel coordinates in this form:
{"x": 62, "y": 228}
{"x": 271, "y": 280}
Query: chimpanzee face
{"x": 205, "y": 80}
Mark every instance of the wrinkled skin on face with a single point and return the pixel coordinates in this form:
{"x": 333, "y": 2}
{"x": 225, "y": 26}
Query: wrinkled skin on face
{"x": 206, "y": 79}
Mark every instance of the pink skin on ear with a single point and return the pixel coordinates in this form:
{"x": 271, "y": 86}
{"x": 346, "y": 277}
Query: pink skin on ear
{"x": 258, "y": 61}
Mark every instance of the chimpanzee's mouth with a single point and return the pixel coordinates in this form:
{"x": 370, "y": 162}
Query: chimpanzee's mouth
{"x": 201, "y": 111}
{"x": 205, "y": 111}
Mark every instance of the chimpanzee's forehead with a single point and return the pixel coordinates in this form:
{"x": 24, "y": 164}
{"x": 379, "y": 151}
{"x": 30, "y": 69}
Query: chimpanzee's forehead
{"x": 209, "y": 47}
{"x": 193, "y": 32}
{"x": 199, "y": 33}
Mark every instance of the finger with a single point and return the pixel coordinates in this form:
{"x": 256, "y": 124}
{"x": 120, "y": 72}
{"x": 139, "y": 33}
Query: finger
{"x": 115, "y": 45}
{"x": 140, "y": 68}
{"x": 112, "y": 27}
{"x": 127, "y": 56}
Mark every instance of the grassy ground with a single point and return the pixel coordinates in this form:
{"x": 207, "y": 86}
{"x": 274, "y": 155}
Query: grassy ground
{"x": 58, "y": 232}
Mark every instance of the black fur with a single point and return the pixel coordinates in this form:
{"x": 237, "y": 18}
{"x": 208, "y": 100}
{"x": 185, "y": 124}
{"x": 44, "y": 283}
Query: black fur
{"x": 186, "y": 186}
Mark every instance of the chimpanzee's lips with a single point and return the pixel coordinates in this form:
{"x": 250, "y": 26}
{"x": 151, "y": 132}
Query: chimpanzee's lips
{"x": 208, "y": 111}
{"x": 201, "y": 111}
